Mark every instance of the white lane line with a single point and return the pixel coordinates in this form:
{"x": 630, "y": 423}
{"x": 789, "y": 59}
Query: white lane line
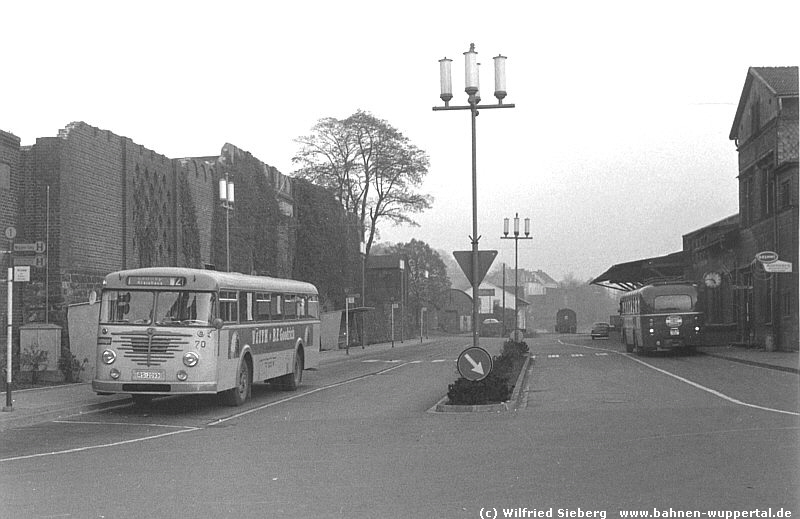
{"x": 190, "y": 429}
{"x": 692, "y": 383}
{"x": 101, "y": 446}
{"x": 122, "y": 423}
{"x": 713, "y": 391}
{"x": 300, "y": 395}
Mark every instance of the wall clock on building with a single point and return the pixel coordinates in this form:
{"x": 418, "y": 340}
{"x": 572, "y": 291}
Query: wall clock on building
{"x": 712, "y": 279}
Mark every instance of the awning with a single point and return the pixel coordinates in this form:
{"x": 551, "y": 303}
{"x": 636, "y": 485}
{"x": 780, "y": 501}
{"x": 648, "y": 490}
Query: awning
{"x": 634, "y": 274}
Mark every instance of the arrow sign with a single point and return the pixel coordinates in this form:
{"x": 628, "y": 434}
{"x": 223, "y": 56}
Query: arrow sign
{"x": 477, "y": 367}
{"x": 474, "y": 363}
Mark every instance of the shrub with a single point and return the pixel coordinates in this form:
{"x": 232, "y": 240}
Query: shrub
{"x": 499, "y": 383}
{"x": 70, "y": 366}
{"x": 35, "y": 358}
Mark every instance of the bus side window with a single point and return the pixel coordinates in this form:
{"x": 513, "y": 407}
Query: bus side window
{"x": 313, "y": 307}
{"x": 262, "y": 307}
{"x": 246, "y": 302}
{"x": 290, "y": 308}
{"x": 276, "y": 309}
{"x": 301, "y": 306}
{"x": 228, "y": 306}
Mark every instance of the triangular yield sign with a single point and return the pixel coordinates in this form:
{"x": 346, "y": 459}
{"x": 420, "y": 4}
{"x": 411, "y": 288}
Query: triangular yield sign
{"x": 485, "y": 259}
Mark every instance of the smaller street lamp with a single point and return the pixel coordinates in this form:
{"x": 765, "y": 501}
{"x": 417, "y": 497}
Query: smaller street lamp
{"x": 227, "y": 198}
{"x": 516, "y": 239}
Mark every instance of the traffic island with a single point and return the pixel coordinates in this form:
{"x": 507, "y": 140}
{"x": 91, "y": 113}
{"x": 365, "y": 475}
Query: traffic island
{"x": 471, "y": 391}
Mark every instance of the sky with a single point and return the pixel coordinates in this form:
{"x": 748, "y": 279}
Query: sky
{"x": 617, "y": 147}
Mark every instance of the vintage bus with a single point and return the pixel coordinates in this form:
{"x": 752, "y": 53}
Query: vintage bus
{"x": 172, "y": 331}
{"x": 566, "y": 321}
{"x": 661, "y": 316}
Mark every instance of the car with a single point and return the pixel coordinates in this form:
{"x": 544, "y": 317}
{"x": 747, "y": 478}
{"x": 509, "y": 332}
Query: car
{"x": 600, "y": 330}
{"x": 491, "y": 328}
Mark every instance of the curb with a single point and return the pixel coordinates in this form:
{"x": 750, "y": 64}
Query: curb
{"x": 510, "y": 405}
{"x": 796, "y": 371}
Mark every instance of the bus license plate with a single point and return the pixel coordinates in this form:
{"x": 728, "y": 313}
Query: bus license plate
{"x": 674, "y": 331}
{"x": 148, "y": 374}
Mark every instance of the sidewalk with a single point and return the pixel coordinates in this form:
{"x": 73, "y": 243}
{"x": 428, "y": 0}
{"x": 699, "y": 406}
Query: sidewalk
{"x": 32, "y": 406}
{"x": 44, "y": 404}
{"x": 778, "y": 360}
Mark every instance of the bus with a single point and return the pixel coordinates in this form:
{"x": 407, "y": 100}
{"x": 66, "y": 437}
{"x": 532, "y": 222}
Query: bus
{"x": 173, "y": 331}
{"x": 661, "y": 316}
{"x": 566, "y": 321}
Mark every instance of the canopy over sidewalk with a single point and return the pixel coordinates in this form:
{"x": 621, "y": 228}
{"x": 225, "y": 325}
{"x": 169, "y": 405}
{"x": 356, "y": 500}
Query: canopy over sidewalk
{"x": 634, "y": 274}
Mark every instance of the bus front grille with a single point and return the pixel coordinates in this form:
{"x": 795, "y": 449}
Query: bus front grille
{"x": 151, "y": 349}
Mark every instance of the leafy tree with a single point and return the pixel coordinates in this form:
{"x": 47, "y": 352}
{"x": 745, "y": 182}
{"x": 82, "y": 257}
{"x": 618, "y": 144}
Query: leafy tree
{"x": 372, "y": 169}
{"x": 423, "y": 290}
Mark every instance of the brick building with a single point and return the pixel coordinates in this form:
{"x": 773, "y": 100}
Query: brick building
{"x": 102, "y": 202}
{"x": 765, "y": 130}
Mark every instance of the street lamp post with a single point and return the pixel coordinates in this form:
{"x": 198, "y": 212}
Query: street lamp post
{"x": 472, "y": 88}
{"x": 227, "y": 199}
{"x": 516, "y": 239}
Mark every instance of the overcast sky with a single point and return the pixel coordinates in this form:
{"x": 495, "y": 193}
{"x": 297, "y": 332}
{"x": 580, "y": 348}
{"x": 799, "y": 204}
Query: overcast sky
{"x": 617, "y": 147}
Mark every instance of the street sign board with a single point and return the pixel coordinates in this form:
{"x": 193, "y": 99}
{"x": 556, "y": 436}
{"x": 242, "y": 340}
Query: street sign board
{"x": 767, "y": 256}
{"x": 38, "y": 260}
{"x": 38, "y": 247}
{"x": 474, "y": 363}
{"x": 22, "y": 273}
{"x": 778, "y": 266}
{"x": 485, "y": 259}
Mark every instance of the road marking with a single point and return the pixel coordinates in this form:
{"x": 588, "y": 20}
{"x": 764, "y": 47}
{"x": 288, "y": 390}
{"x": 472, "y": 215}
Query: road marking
{"x": 690, "y": 382}
{"x": 300, "y": 395}
{"x": 191, "y": 429}
{"x": 121, "y": 423}
{"x": 101, "y": 446}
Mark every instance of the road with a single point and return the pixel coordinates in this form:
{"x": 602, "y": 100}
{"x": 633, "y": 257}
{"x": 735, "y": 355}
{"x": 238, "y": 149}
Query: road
{"x": 601, "y": 431}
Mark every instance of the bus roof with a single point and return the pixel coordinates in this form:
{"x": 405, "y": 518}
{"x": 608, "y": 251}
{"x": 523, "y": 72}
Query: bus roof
{"x": 662, "y": 288}
{"x": 198, "y": 279}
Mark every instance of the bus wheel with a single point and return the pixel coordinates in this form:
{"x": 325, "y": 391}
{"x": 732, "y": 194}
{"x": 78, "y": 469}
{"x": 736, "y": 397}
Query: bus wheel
{"x": 238, "y": 395}
{"x": 636, "y": 349}
{"x": 291, "y": 381}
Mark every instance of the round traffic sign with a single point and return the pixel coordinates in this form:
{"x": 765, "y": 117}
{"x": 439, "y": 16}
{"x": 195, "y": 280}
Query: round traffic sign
{"x": 11, "y": 232}
{"x": 474, "y": 363}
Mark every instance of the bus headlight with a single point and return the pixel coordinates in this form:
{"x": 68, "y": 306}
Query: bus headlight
{"x": 109, "y": 356}
{"x": 182, "y": 375}
{"x": 190, "y": 359}
{"x": 114, "y": 373}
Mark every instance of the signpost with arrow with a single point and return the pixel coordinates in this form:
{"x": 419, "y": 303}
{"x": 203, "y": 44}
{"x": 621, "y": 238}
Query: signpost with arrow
{"x": 474, "y": 363}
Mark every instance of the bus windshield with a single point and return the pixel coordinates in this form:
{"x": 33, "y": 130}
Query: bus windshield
{"x": 165, "y": 308}
{"x": 673, "y": 302}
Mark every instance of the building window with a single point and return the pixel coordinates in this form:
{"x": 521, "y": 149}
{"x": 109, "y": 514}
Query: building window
{"x": 786, "y": 194}
{"x": 747, "y": 202}
{"x": 786, "y": 303}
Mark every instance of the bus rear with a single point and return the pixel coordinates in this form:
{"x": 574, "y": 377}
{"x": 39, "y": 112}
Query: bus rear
{"x": 669, "y": 317}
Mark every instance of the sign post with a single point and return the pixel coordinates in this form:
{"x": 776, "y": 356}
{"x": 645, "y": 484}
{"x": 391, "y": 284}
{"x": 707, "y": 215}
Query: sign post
{"x": 11, "y": 233}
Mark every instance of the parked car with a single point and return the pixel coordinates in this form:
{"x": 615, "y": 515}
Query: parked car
{"x": 491, "y": 328}
{"x": 600, "y": 330}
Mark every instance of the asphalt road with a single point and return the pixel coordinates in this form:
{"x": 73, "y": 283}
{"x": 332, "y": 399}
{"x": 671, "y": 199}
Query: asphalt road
{"x": 601, "y": 431}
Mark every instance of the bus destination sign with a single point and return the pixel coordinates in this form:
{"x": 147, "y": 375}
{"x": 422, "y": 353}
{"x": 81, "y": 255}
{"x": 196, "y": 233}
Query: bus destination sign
{"x": 156, "y": 281}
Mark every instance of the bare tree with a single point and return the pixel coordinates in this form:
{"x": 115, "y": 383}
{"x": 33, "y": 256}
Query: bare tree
{"x": 371, "y": 167}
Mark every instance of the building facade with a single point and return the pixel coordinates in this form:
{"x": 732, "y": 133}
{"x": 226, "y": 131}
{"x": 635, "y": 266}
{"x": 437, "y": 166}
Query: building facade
{"x": 765, "y": 130}
{"x": 101, "y": 202}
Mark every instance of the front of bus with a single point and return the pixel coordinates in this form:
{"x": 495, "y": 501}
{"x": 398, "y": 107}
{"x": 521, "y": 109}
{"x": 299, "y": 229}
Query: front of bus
{"x": 155, "y": 335}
